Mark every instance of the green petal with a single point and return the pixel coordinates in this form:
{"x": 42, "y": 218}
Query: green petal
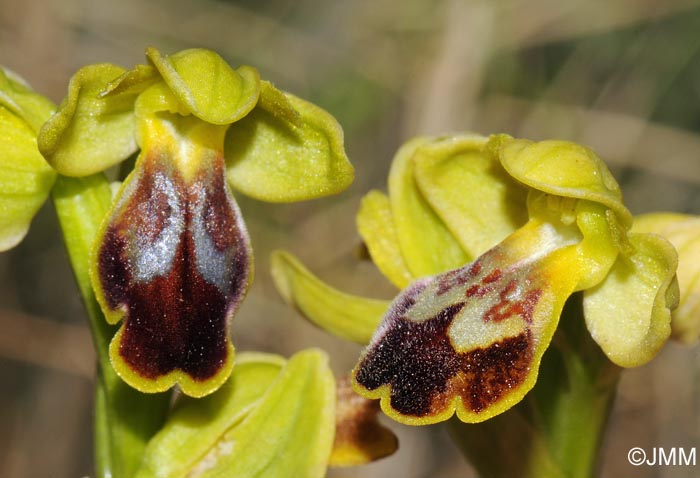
{"x": 287, "y": 150}
{"x": 290, "y": 431}
{"x": 470, "y": 191}
{"x": 196, "y": 426}
{"x": 20, "y": 99}
{"x": 375, "y": 224}
{"x": 25, "y": 178}
{"x": 207, "y": 85}
{"x": 683, "y": 231}
{"x": 426, "y": 243}
{"x": 90, "y": 132}
{"x": 561, "y": 168}
{"x": 628, "y": 314}
{"x": 344, "y": 315}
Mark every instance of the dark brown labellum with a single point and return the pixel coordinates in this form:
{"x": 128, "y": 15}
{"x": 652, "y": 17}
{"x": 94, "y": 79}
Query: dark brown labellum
{"x": 174, "y": 260}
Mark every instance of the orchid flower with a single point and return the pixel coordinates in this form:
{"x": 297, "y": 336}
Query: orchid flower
{"x": 173, "y": 258}
{"x": 488, "y": 238}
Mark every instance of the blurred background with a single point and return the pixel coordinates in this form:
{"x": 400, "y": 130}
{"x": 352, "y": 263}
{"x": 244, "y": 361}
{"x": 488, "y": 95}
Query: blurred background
{"x": 622, "y": 77}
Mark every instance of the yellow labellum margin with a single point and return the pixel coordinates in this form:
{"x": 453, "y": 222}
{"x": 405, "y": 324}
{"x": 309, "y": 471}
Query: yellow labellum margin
{"x": 454, "y": 185}
{"x": 470, "y": 340}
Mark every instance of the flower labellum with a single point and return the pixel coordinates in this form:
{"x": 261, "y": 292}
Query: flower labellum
{"x": 174, "y": 257}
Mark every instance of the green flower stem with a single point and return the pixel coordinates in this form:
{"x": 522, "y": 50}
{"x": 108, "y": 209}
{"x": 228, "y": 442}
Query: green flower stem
{"x": 124, "y": 419}
{"x": 557, "y": 431}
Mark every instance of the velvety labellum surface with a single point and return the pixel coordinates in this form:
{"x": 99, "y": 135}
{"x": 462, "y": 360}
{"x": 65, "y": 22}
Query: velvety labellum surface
{"x": 174, "y": 262}
{"x": 465, "y": 340}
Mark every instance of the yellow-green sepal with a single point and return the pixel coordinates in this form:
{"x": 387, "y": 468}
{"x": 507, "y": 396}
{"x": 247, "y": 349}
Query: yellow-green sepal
{"x": 286, "y": 150}
{"x": 426, "y": 243}
{"x": 465, "y": 184}
{"x": 347, "y": 316}
{"x": 20, "y": 99}
{"x": 206, "y": 85}
{"x": 25, "y": 178}
{"x": 196, "y": 426}
{"x": 375, "y": 223}
{"x": 561, "y": 168}
{"x": 683, "y": 231}
{"x": 629, "y": 313}
{"x": 290, "y": 430}
{"x": 90, "y": 132}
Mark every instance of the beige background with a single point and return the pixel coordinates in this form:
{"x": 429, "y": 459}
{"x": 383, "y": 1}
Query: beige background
{"x": 622, "y": 77}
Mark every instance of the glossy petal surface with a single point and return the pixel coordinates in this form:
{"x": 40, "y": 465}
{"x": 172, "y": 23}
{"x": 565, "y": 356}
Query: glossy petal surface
{"x": 173, "y": 259}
